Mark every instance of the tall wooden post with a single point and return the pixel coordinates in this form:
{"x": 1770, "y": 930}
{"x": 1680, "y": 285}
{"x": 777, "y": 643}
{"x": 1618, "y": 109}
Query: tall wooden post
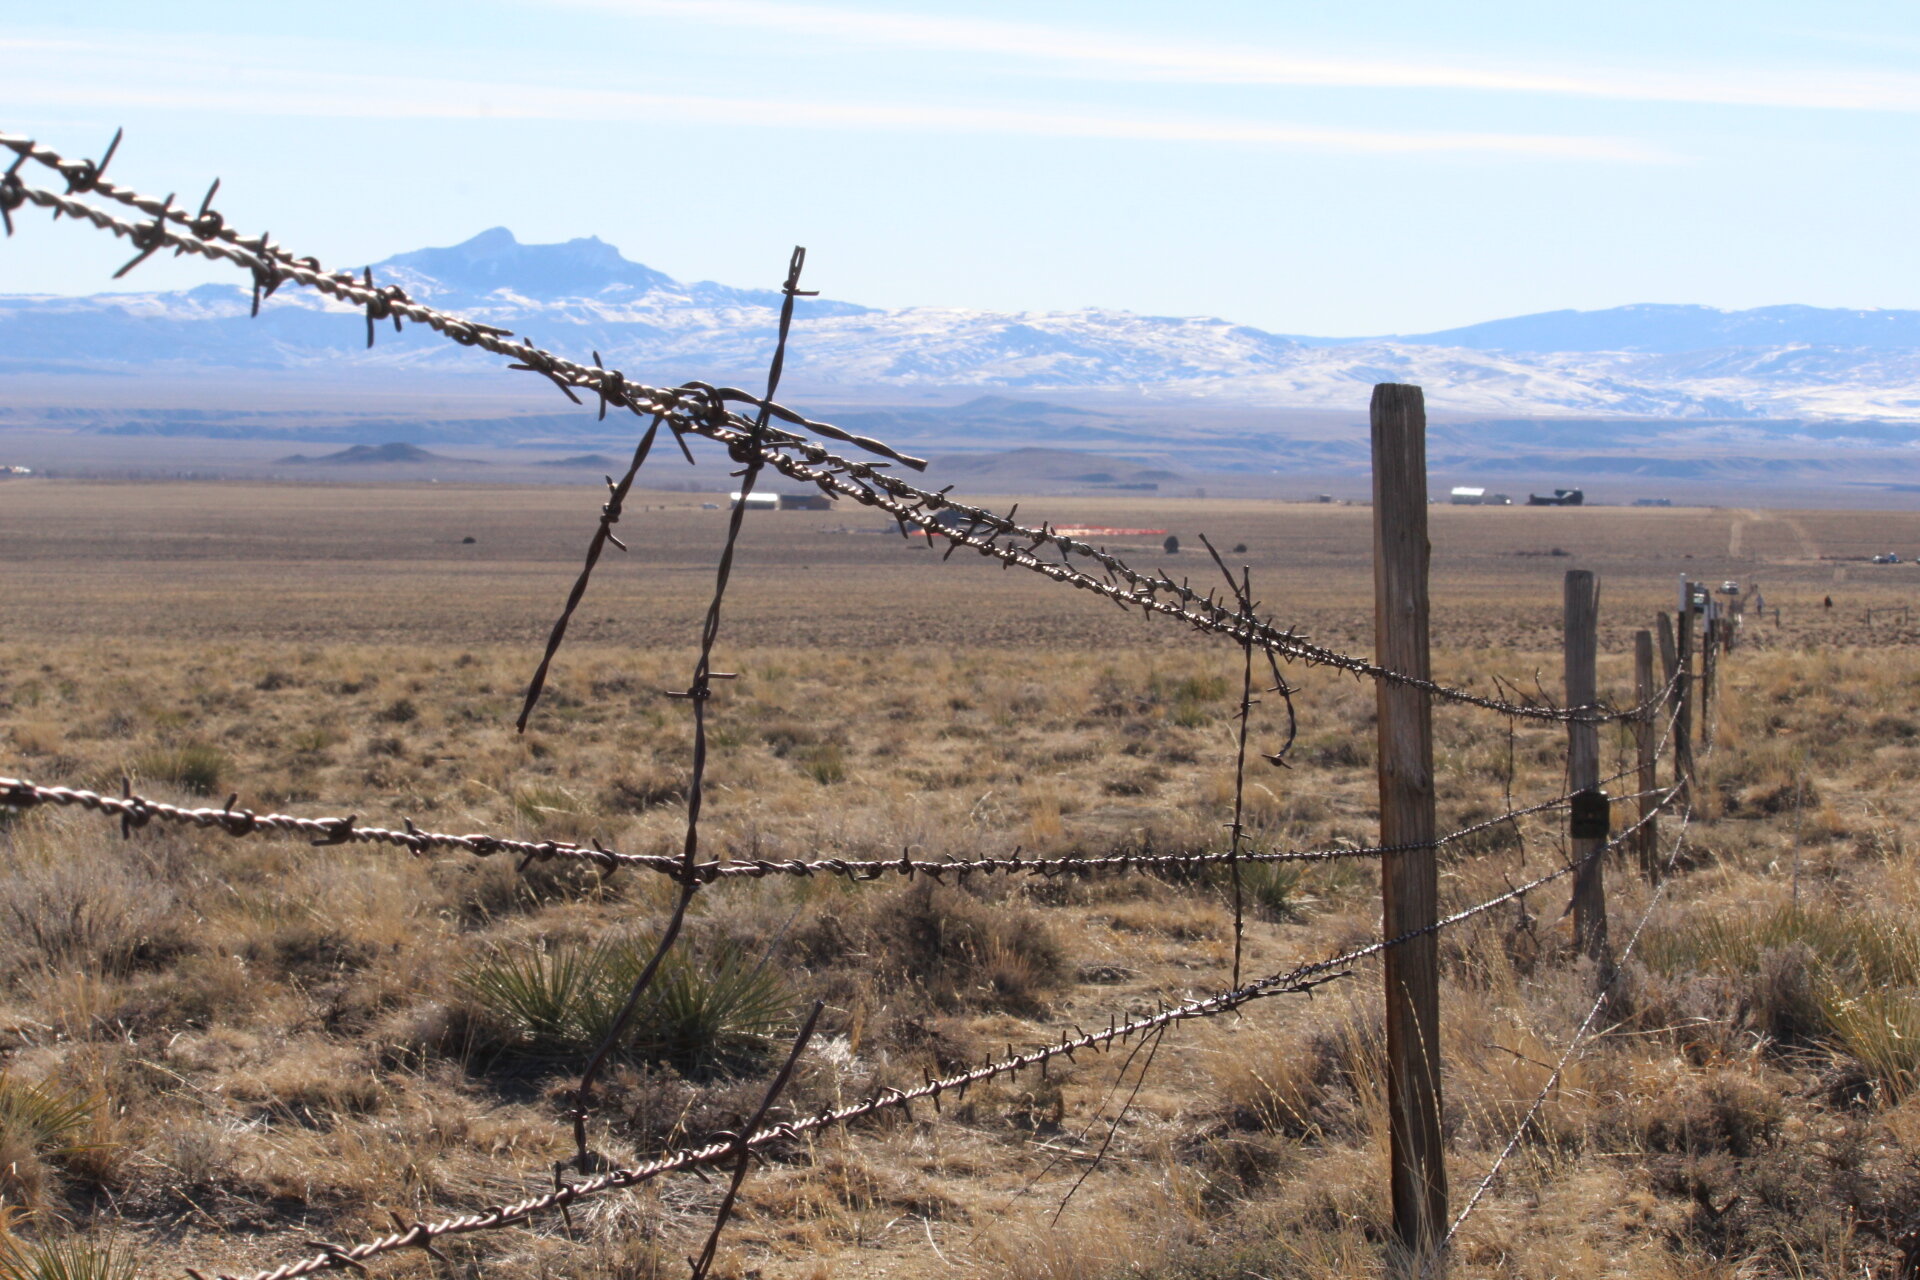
{"x": 1409, "y": 882}
{"x": 1583, "y": 757}
{"x": 1644, "y": 689}
{"x": 1683, "y": 699}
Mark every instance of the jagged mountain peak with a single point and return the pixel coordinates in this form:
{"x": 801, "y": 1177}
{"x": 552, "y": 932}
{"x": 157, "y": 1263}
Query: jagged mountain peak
{"x": 495, "y": 260}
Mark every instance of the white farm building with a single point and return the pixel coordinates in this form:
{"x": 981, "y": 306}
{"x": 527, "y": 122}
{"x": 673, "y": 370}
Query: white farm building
{"x": 1467, "y": 496}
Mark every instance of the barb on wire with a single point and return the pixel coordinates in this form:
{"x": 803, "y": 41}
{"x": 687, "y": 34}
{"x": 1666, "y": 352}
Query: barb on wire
{"x": 702, "y": 409}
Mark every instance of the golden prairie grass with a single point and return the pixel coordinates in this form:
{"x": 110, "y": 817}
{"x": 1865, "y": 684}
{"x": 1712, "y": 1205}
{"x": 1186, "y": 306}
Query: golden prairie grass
{"x": 266, "y": 1040}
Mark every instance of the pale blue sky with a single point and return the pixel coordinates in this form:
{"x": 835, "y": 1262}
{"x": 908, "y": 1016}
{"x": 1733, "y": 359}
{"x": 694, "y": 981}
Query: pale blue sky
{"x": 1316, "y": 168}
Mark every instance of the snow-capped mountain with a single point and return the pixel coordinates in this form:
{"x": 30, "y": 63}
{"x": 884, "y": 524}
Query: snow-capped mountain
{"x": 1661, "y": 361}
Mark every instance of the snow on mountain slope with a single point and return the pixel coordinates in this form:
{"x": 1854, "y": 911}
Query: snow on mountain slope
{"x": 1685, "y": 362}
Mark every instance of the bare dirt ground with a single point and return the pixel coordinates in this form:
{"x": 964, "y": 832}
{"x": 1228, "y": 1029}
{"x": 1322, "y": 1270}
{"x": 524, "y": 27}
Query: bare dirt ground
{"x": 213, "y": 1050}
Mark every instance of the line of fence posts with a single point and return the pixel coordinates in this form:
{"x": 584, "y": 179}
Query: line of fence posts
{"x": 1409, "y": 880}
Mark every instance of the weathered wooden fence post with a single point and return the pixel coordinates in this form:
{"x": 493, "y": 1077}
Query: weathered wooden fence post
{"x": 1683, "y": 696}
{"x": 1645, "y": 741}
{"x": 1409, "y": 881}
{"x": 1711, "y": 632}
{"x": 1583, "y": 760}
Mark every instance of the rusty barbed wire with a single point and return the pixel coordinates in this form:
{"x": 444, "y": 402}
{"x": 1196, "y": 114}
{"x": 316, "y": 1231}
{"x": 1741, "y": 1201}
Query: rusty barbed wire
{"x": 135, "y": 811}
{"x": 699, "y": 408}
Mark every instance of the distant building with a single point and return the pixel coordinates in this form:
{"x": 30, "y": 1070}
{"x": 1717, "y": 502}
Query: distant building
{"x": 784, "y": 501}
{"x": 16, "y": 471}
{"x": 1462, "y": 496}
{"x": 1560, "y": 498}
{"x": 1653, "y": 502}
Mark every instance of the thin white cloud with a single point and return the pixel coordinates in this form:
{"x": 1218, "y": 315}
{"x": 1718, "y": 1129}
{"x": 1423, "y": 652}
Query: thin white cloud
{"x": 1099, "y": 51}
{"x": 99, "y": 78}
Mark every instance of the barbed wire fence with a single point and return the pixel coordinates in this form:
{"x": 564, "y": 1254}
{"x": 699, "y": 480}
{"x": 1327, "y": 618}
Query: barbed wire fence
{"x": 758, "y": 434}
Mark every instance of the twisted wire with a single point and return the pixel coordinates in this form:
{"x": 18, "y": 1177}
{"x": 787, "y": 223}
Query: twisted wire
{"x": 136, "y": 811}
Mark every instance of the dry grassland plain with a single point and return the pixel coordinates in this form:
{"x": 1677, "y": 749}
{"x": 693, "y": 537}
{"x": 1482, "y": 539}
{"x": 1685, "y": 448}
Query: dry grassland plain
{"x": 213, "y": 1050}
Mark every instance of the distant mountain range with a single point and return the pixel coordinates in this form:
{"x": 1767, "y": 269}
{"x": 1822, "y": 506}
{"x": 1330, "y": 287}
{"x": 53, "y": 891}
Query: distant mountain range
{"x": 1685, "y": 362}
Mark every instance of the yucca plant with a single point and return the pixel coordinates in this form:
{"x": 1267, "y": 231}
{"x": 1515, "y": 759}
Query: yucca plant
{"x": 1272, "y": 889}
{"x": 717, "y": 1011}
{"x": 43, "y": 1118}
{"x": 540, "y": 998}
{"x": 1879, "y": 1029}
{"x": 72, "y": 1258}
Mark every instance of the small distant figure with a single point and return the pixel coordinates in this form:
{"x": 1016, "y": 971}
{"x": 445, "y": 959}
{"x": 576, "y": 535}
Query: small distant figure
{"x": 1827, "y": 603}
{"x": 1171, "y": 546}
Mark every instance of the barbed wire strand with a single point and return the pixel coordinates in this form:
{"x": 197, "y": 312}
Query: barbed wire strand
{"x": 1237, "y": 828}
{"x": 136, "y": 811}
{"x": 609, "y": 516}
{"x": 702, "y": 409}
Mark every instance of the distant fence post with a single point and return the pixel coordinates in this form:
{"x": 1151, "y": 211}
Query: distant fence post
{"x": 1583, "y": 759}
{"x": 1644, "y": 689}
{"x": 1711, "y": 633}
{"x": 1409, "y": 881}
{"x": 1683, "y": 696}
